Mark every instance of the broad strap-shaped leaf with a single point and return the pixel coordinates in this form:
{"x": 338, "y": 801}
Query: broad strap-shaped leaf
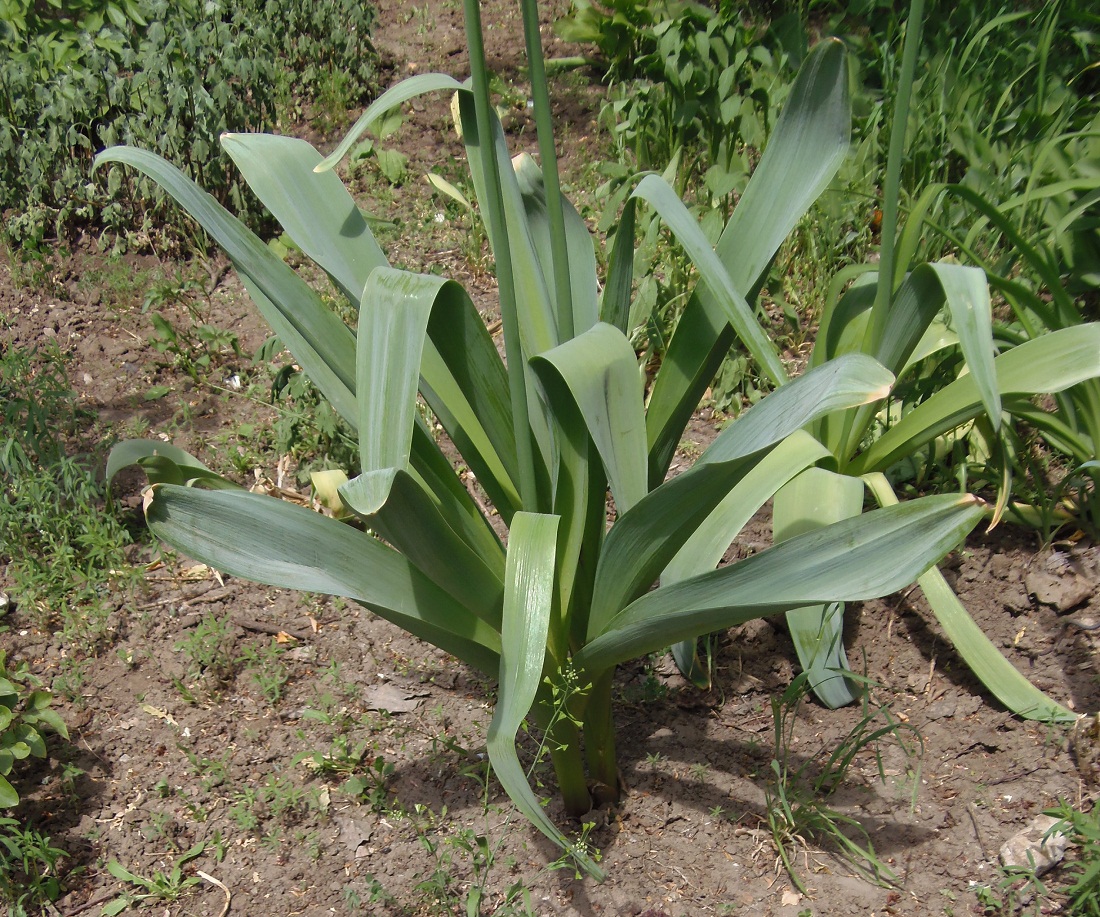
{"x": 583, "y": 284}
{"x": 319, "y": 340}
{"x": 411, "y": 521}
{"x": 704, "y": 550}
{"x": 270, "y": 541}
{"x": 615, "y": 304}
{"x": 528, "y": 601}
{"x": 644, "y": 540}
{"x": 414, "y": 86}
{"x": 462, "y": 379}
{"x": 1046, "y": 364}
{"x": 578, "y": 490}
{"x": 806, "y": 148}
{"x": 844, "y": 318}
{"x": 914, "y": 308}
{"x": 313, "y": 207}
{"x": 434, "y": 472}
{"x": 537, "y": 325}
{"x": 392, "y": 351}
{"x": 814, "y": 499}
{"x": 465, "y": 383}
{"x": 987, "y": 662}
{"x": 600, "y": 369}
{"x": 659, "y": 195}
{"x": 527, "y": 307}
{"x": 862, "y": 558}
{"x": 162, "y": 463}
{"x": 393, "y": 326}
{"x": 966, "y": 293}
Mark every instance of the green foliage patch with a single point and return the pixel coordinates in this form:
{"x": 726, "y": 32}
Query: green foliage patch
{"x": 61, "y": 541}
{"x": 168, "y": 76}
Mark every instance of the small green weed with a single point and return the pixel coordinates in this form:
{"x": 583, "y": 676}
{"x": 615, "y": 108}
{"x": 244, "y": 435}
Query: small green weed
{"x": 28, "y": 866}
{"x": 264, "y": 666}
{"x": 160, "y": 886}
{"x": 62, "y": 539}
{"x": 308, "y": 429}
{"x": 1079, "y": 879}
{"x": 24, "y": 713}
{"x": 208, "y": 650}
{"x": 798, "y": 809}
{"x": 192, "y": 347}
{"x": 365, "y": 778}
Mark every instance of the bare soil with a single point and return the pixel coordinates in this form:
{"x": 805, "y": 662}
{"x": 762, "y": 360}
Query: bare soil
{"x": 172, "y": 759}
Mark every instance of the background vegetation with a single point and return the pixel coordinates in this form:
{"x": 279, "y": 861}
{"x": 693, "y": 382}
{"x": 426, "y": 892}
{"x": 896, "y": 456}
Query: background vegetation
{"x": 79, "y": 76}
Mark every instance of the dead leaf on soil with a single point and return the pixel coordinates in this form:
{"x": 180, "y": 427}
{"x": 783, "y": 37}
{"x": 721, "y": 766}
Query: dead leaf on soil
{"x": 790, "y": 898}
{"x": 159, "y": 714}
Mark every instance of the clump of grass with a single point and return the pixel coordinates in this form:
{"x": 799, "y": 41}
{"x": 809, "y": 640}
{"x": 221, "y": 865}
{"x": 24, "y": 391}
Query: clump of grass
{"x": 62, "y": 542}
{"x": 798, "y": 794}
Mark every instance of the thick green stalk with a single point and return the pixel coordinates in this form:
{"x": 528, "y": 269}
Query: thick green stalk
{"x": 892, "y": 187}
{"x": 565, "y": 752}
{"x": 544, "y": 126}
{"x": 599, "y": 738}
{"x": 855, "y": 423}
{"x": 493, "y": 213}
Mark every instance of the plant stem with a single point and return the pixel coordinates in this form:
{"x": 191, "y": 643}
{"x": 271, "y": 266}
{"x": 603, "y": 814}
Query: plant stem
{"x": 565, "y": 753}
{"x": 599, "y": 737}
{"x": 892, "y": 189}
{"x": 544, "y": 127}
{"x": 498, "y": 231}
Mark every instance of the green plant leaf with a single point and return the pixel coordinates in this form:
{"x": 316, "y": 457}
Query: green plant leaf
{"x": 583, "y": 287}
{"x": 528, "y": 600}
{"x": 1006, "y": 683}
{"x": 967, "y": 296}
{"x": 706, "y": 547}
{"x": 537, "y": 325}
{"x": 807, "y": 146}
{"x": 8, "y": 797}
{"x": 393, "y": 325}
{"x": 314, "y": 208}
{"x": 658, "y": 194}
{"x": 615, "y": 305}
{"x": 812, "y": 500}
{"x": 600, "y": 369}
{"x": 414, "y": 86}
{"x": 273, "y": 542}
{"x": 162, "y": 462}
{"x": 857, "y": 559}
{"x": 465, "y": 383}
{"x": 411, "y": 521}
{"x": 644, "y": 540}
{"x": 120, "y": 872}
{"x": 1046, "y": 364}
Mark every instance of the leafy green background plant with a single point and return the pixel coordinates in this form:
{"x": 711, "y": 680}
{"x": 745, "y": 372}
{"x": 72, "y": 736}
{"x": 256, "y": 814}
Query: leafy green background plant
{"x": 62, "y": 540}
{"x": 169, "y": 76}
{"x": 24, "y": 713}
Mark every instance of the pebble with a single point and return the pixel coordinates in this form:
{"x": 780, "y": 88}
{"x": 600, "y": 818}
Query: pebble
{"x": 1029, "y": 850}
